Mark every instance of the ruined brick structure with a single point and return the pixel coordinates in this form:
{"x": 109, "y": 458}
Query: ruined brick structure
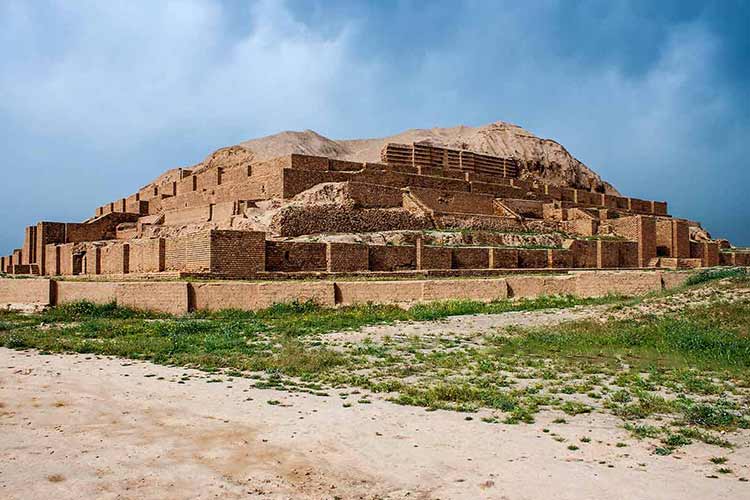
{"x": 424, "y": 209}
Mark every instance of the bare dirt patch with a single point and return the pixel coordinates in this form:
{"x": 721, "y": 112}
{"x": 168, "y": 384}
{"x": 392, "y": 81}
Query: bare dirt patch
{"x": 132, "y": 430}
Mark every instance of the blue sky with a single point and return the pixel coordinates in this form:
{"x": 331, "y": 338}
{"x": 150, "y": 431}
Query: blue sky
{"x": 98, "y": 98}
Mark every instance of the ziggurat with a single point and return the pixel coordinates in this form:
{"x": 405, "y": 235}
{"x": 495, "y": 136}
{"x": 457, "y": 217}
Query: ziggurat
{"x": 424, "y": 210}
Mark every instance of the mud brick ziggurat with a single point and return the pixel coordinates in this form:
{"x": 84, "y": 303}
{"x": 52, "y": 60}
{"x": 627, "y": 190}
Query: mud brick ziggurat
{"x": 423, "y": 210}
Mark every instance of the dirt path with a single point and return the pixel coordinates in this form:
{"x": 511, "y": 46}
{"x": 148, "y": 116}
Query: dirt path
{"x": 469, "y": 325}
{"x": 84, "y": 427}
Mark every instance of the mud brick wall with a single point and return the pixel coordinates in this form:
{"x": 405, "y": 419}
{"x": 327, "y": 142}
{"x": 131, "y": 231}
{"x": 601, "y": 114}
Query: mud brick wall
{"x": 582, "y": 227}
{"x": 470, "y": 258}
{"x": 51, "y": 260}
{"x": 628, "y": 253}
{"x": 115, "y": 258}
{"x": 392, "y": 258}
{"x": 187, "y": 215}
{"x": 503, "y": 258}
{"x": 298, "y": 220}
{"x": 295, "y": 256}
{"x": 25, "y": 292}
{"x": 707, "y": 251}
{"x": 567, "y": 194}
{"x": 383, "y": 292}
{"x": 167, "y": 297}
{"x": 98, "y": 292}
{"x": 587, "y": 197}
{"x": 659, "y": 207}
{"x": 48, "y": 233}
{"x": 484, "y": 290}
{"x": 584, "y": 253}
{"x": 92, "y": 260}
{"x": 187, "y": 185}
{"x": 673, "y": 238}
{"x": 296, "y": 181}
{"x": 29, "y": 246}
{"x": 147, "y": 255}
{"x": 347, "y": 257}
{"x": 496, "y": 190}
{"x": 726, "y": 258}
{"x": 238, "y": 253}
{"x": 608, "y": 201}
{"x": 309, "y": 162}
{"x": 710, "y": 253}
{"x": 344, "y": 165}
{"x": 434, "y": 257}
{"x": 3, "y": 265}
{"x": 137, "y": 207}
{"x": 526, "y": 208}
{"x": 639, "y": 206}
{"x": 559, "y": 258}
{"x": 532, "y": 258}
{"x": 681, "y": 239}
{"x": 607, "y": 254}
{"x": 454, "y": 201}
{"x": 66, "y": 259}
{"x": 642, "y": 230}
{"x": 696, "y": 250}
{"x": 209, "y": 178}
{"x": 374, "y": 196}
{"x": 104, "y": 228}
{"x": 254, "y": 296}
{"x": 188, "y": 252}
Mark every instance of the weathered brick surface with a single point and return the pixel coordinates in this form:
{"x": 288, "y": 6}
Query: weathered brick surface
{"x": 584, "y": 253}
{"x": 115, "y": 258}
{"x": 532, "y": 258}
{"x": 254, "y": 296}
{"x": 295, "y": 256}
{"x": 48, "y": 233}
{"x": 674, "y": 279}
{"x": 92, "y": 261}
{"x": 589, "y": 284}
{"x": 642, "y": 230}
{"x": 238, "y": 253}
{"x": 607, "y": 254}
{"x": 346, "y": 257}
{"x": 167, "y": 297}
{"x": 381, "y": 292}
{"x": 559, "y": 258}
{"x": 503, "y": 258}
{"x": 19, "y": 292}
{"x": 98, "y": 292}
{"x": 472, "y": 289}
{"x": 392, "y": 258}
{"x": 147, "y": 255}
{"x": 188, "y": 252}
{"x": 454, "y": 201}
{"x": 470, "y": 258}
{"x": 434, "y": 257}
{"x": 536, "y": 286}
{"x": 320, "y": 292}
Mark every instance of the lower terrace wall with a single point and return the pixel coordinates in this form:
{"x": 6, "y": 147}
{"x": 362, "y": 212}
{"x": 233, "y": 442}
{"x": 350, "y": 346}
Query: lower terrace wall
{"x": 181, "y": 297}
{"x": 98, "y": 292}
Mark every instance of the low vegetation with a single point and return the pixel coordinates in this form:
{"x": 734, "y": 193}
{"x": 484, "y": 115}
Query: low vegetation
{"x": 673, "y": 379}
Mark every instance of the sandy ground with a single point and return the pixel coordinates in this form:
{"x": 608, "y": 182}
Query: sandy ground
{"x": 469, "y": 325}
{"x": 76, "y": 426}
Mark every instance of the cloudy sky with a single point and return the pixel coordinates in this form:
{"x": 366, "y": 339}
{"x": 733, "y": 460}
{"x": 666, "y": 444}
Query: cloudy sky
{"x": 97, "y": 98}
